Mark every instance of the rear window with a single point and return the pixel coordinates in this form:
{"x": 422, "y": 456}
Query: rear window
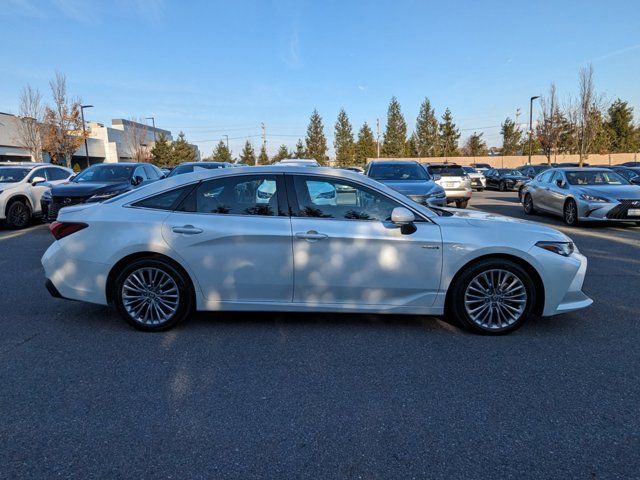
{"x": 446, "y": 170}
{"x": 397, "y": 171}
{"x": 165, "y": 200}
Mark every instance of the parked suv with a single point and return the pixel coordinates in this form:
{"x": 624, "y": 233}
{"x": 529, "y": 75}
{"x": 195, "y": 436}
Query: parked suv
{"x": 455, "y": 182}
{"x": 98, "y": 183}
{"x": 478, "y": 180}
{"x": 22, "y": 186}
{"x": 410, "y": 179}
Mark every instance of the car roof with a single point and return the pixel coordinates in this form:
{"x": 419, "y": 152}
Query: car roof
{"x": 392, "y": 162}
{"x": 443, "y": 164}
{"x": 582, "y": 169}
{"x": 26, "y": 164}
{"x": 203, "y": 163}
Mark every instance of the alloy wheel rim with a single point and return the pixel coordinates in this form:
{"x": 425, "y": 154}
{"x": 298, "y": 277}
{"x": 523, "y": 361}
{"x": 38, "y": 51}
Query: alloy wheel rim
{"x": 570, "y": 212}
{"x": 495, "y": 299}
{"x": 18, "y": 214}
{"x": 150, "y": 296}
{"x": 528, "y": 203}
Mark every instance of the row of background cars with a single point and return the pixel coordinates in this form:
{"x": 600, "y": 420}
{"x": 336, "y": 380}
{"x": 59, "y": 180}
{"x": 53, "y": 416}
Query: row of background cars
{"x": 30, "y": 190}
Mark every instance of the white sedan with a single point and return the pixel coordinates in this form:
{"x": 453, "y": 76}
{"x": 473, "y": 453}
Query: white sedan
{"x": 203, "y": 241}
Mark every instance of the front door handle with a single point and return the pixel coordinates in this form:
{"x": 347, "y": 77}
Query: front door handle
{"x": 311, "y": 236}
{"x": 187, "y": 230}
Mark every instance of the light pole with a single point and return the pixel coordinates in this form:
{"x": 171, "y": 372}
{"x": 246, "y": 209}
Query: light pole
{"x": 531, "y": 123}
{"x": 227, "y": 137}
{"x": 153, "y": 122}
{"x": 84, "y": 133}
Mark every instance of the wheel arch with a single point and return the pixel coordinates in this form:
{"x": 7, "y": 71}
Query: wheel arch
{"x": 18, "y": 197}
{"x": 538, "y": 306}
{"x": 123, "y": 262}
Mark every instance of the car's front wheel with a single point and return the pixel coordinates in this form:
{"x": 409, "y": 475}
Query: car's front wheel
{"x": 502, "y": 186}
{"x": 18, "y": 215}
{"x": 570, "y": 212}
{"x": 153, "y": 295}
{"x": 492, "y": 297}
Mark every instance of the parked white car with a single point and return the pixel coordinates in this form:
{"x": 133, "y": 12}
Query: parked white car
{"x": 22, "y": 186}
{"x": 164, "y": 250}
{"x": 478, "y": 180}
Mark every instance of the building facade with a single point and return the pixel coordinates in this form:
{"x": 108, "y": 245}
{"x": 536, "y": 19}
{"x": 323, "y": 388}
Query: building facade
{"x": 117, "y": 142}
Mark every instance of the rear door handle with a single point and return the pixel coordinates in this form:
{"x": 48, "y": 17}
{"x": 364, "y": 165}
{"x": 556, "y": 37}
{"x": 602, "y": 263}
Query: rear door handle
{"x": 311, "y": 236}
{"x": 187, "y": 230}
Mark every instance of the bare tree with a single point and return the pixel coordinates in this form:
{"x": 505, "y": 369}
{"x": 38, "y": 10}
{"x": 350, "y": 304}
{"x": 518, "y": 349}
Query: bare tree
{"x": 63, "y": 132}
{"x": 588, "y": 104}
{"x": 30, "y": 112}
{"x": 135, "y": 140}
{"x": 550, "y": 126}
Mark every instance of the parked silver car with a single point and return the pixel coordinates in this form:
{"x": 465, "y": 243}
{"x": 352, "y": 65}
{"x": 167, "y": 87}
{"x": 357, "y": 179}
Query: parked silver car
{"x": 454, "y": 180}
{"x": 583, "y": 194}
{"x": 410, "y": 179}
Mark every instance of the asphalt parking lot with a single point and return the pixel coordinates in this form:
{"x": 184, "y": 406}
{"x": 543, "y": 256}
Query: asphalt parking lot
{"x": 321, "y": 396}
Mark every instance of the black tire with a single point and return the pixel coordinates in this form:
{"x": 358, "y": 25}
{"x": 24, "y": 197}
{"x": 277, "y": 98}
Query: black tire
{"x": 502, "y": 186}
{"x": 458, "y": 290}
{"x": 481, "y": 189}
{"x": 570, "y": 213}
{"x": 462, "y": 203}
{"x": 18, "y": 215}
{"x": 184, "y": 303}
{"x": 527, "y": 205}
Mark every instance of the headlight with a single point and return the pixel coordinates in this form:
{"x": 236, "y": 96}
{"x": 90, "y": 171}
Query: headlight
{"x": 592, "y": 198}
{"x": 561, "y": 248}
{"x": 99, "y": 197}
{"x": 441, "y": 194}
{"x": 46, "y": 195}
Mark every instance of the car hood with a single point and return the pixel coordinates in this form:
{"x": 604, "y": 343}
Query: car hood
{"x": 409, "y": 187}
{"x": 494, "y": 221}
{"x": 84, "y": 189}
{"x": 614, "y": 192}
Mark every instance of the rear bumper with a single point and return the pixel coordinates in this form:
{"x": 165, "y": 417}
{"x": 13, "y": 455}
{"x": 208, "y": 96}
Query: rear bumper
{"x": 453, "y": 195}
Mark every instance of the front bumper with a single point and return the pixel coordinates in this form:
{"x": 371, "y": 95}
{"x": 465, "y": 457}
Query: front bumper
{"x": 556, "y": 275}
{"x": 609, "y": 212}
{"x": 478, "y": 183}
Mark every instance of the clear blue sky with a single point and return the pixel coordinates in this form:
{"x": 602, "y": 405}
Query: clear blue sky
{"x": 213, "y": 68}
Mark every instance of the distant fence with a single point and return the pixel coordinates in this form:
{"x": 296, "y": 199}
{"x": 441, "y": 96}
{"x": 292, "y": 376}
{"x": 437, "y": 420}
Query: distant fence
{"x": 511, "y": 161}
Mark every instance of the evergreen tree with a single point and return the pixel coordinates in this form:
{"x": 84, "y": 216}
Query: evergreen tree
{"x": 283, "y": 152}
{"x": 343, "y": 142}
{"x": 162, "y": 152}
{"x": 411, "y": 148}
{"x": 263, "y": 158}
{"x": 222, "y": 153}
{"x": 248, "y": 154}
{"x": 182, "y": 151}
{"x": 300, "y": 151}
{"x": 511, "y": 137}
{"x": 395, "y": 134}
{"x": 426, "y": 134}
{"x": 475, "y": 146}
{"x": 624, "y": 137}
{"x": 365, "y": 146}
{"x": 448, "y": 136}
{"x": 315, "y": 141}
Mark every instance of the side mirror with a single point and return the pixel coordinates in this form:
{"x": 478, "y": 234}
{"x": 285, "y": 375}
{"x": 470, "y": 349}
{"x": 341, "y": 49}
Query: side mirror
{"x": 37, "y": 180}
{"x": 137, "y": 180}
{"x": 635, "y": 180}
{"x": 70, "y": 179}
{"x": 402, "y": 216}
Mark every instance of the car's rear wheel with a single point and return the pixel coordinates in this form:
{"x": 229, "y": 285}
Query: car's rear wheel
{"x": 492, "y": 297}
{"x": 153, "y": 295}
{"x": 18, "y": 214}
{"x": 570, "y": 212}
{"x": 527, "y": 204}
{"x": 462, "y": 203}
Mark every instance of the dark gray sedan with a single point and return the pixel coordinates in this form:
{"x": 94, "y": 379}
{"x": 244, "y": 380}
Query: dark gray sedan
{"x": 583, "y": 194}
{"x": 410, "y": 179}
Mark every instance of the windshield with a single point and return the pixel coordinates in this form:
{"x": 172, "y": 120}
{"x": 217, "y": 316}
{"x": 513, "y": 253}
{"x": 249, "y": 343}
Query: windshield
{"x": 105, "y": 173}
{"x": 397, "y": 171}
{"x": 446, "y": 170}
{"x": 597, "y": 177}
{"x": 515, "y": 173}
{"x": 12, "y": 174}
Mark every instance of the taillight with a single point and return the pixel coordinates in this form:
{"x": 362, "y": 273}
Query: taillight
{"x": 63, "y": 229}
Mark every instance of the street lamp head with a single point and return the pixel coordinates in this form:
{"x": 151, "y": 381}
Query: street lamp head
{"x": 533, "y": 98}
{"x": 86, "y": 106}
